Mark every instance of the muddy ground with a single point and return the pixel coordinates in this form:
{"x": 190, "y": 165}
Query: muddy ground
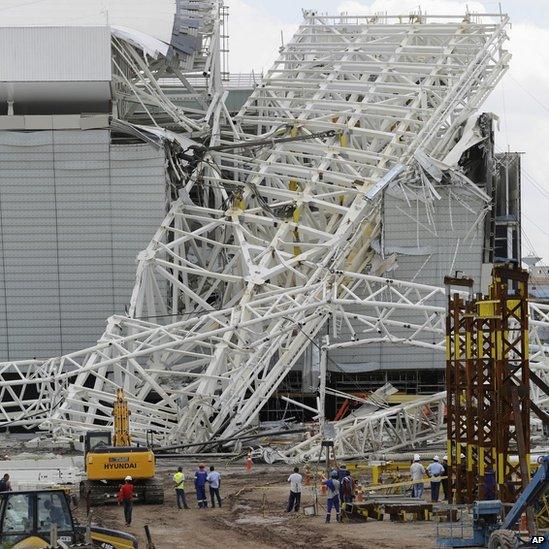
{"x": 254, "y": 515}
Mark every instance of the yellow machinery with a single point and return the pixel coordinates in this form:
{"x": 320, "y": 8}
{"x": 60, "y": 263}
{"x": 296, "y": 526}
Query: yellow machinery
{"x": 41, "y": 519}
{"x": 109, "y": 462}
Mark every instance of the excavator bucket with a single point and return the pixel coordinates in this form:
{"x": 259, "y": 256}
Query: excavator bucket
{"x": 112, "y": 539}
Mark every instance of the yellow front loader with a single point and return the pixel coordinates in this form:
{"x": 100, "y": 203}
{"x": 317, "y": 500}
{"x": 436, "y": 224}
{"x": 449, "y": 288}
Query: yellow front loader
{"x": 41, "y": 519}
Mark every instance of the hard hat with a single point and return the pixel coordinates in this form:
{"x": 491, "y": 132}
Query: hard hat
{"x": 128, "y": 478}
{"x": 416, "y": 457}
{"x": 445, "y": 458}
{"x": 436, "y": 458}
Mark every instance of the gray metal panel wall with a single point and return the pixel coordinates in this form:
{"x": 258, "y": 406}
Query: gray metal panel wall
{"x": 139, "y": 204}
{"x": 75, "y": 211}
{"x": 83, "y": 216}
{"x": 427, "y": 264}
{"x": 54, "y": 54}
{"x": 30, "y": 278}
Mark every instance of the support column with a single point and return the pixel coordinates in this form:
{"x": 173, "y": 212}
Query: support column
{"x": 456, "y": 384}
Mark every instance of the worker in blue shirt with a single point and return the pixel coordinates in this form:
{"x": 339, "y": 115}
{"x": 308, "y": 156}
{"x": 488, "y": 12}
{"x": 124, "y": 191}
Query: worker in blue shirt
{"x": 332, "y": 484}
{"x": 435, "y": 471}
{"x": 489, "y": 483}
{"x": 200, "y": 478}
{"x": 214, "y": 478}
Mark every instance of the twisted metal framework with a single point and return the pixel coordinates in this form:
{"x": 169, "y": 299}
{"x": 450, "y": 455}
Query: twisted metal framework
{"x": 390, "y": 429}
{"x": 425, "y": 420}
{"x": 266, "y": 244}
{"x": 141, "y": 63}
{"x": 384, "y": 431}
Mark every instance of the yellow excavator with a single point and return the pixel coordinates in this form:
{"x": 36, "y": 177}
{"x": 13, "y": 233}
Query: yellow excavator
{"x": 109, "y": 460}
{"x": 42, "y": 519}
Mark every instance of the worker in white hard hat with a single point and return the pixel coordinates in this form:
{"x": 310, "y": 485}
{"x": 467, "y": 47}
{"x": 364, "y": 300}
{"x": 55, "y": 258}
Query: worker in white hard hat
{"x": 435, "y": 471}
{"x": 444, "y": 482}
{"x": 417, "y": 471}
{"x": 125, "y": 497}
{"x": 332, "y": 484}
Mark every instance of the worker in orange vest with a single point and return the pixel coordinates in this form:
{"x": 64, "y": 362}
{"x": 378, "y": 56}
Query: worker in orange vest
{"x": 323, "y": 488}
{"x": 249, "y": 462}
{"x": 307, "y": 480}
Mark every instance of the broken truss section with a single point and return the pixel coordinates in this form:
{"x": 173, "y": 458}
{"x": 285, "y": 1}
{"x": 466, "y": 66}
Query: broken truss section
{"x": 194, "y": 59}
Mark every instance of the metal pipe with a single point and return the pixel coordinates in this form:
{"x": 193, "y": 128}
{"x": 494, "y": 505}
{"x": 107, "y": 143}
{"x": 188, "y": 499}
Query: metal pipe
{"x": 272, "y": 141}
{"x": 231, "y": 439}
{"x": 405, "y": 456}
{"x": 196, "y": 456}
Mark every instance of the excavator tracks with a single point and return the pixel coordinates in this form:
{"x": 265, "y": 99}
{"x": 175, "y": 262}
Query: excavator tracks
{"x": 149, "y": 491}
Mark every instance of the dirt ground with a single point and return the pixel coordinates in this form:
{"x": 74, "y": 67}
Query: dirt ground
{"x": 254, "y": 515}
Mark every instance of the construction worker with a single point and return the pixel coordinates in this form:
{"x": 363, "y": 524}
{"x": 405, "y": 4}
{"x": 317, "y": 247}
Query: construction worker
{"x": 57, "y": 516}
{"x": 125, "y": 497}
{"x": 347, "y": 488}
{"x": 200, "y": 479}
{"x": 214, "y": 479}
{"x": 5, "y": 484}
{"x": 435, "y": 471}
{"x": 417, "y": 471}
{"x": 444, "y": 483}
{"x": 341, "y": 474}
{"x": 179, "y": 482}
{"x": 294, "y": 500}
{"x": 489, "y": 483}
{"x": 249, "y": 462}
{"x": 307, "y": 479}
{"x": 332, "y": 484}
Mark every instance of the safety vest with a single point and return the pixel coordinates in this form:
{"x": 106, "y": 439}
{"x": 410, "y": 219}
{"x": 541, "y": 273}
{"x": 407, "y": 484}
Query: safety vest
{"x": 179, "y": 479}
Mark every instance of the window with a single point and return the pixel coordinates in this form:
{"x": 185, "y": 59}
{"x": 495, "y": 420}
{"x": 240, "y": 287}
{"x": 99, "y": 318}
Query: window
{"x": 53, "y": 508}
{"x": 18, "y": 514}
{"x": 100, "y": 440}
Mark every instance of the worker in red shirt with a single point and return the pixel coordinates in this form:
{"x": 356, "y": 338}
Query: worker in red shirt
{"x": 125, "y": 497}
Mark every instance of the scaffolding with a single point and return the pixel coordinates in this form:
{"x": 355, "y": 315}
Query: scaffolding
{"x": 488, "y": 387}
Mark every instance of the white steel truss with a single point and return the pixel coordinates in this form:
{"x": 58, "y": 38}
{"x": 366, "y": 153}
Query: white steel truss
{"x": 267, "y": 243}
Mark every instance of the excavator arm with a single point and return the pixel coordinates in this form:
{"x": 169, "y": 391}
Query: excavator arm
{"x": 537, "y": 487}
{"x": 121, "y": 426}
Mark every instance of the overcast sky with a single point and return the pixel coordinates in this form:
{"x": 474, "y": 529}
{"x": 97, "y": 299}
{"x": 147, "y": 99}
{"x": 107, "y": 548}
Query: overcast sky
{"x": 521, "y": 100}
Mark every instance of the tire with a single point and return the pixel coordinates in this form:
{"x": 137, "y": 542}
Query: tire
{"x": 269, "y": 456}
{"x": 503, "y": 539}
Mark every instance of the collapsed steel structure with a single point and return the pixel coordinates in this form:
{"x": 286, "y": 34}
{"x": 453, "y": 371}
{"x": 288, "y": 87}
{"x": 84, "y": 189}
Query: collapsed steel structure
{"x": 270, "y": 236}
